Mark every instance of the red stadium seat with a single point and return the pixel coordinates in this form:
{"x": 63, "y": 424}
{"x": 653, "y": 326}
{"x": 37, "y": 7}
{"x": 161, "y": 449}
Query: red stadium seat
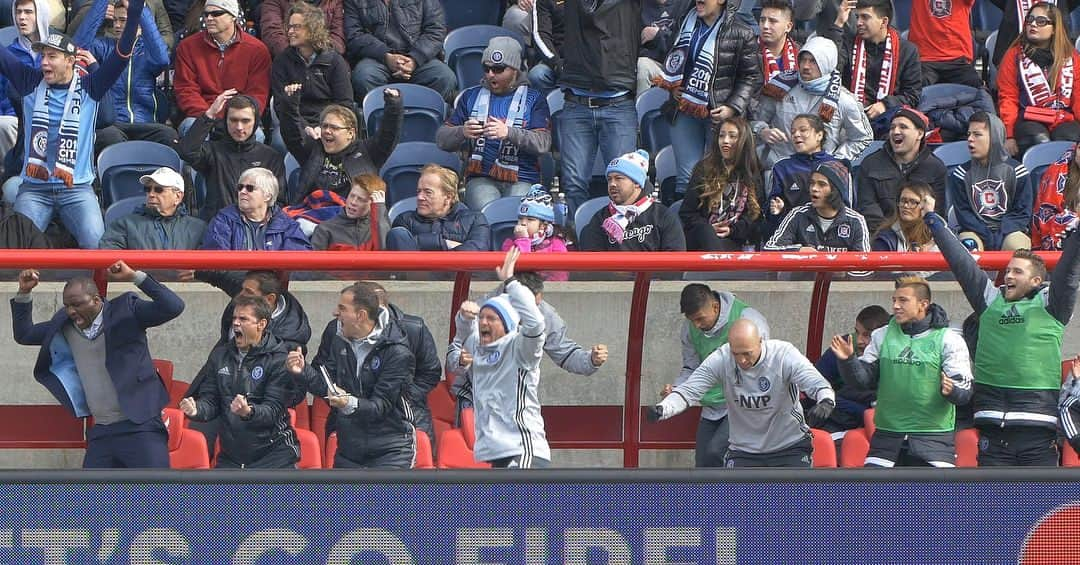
{"x": 440, "y": 427}
{"x": 187, "y": 448}
{"x": 330, "y": 451}
{"x": 854, "y": 447}
{"x": 455, "y": 454}
{"x": 967, "y": 448}
{"x": 868, "y": 422}
{"x": 164, "y": 368}
{"x": 468, "y": 427}
{"x": 1069, "y": 457}
{"x": 177, "y": 391}
{"x": 824, "y": 449}
{"x": 441, "y": 403}
{"x": 423, "y": 451}
{"x": 303, "y": 416}
{"x": 310, "y": 454}
{"x": 320, "y": 410}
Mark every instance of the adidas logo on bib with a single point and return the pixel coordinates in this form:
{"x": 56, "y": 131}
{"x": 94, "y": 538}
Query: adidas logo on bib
{"x": 1012, "y": 316}
{"x": 907, "y": 357}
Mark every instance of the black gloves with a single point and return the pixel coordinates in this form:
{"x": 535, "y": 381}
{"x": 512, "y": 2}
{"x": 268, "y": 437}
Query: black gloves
{"x": 820, "y": 412}
{"x": 654, "y": 413}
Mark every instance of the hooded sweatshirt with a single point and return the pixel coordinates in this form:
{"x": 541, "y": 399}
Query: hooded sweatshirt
{"x": 846, "y": 134}
{"x": 993, "y": 199}
{"x": 20, "y": 47}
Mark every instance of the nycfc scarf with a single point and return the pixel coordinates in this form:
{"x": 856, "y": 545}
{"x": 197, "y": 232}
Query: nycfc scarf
{"x": 1037, "y": 88}
{"x": 68, "y": 142}
{"x": 622, "y": 216}
{"x": 891, "y": 60}
{"x": 505, "y": 167}
{"x": 779, "y": 85}
{"x": 696, "y": 91}
{"x": 771, "y": 67}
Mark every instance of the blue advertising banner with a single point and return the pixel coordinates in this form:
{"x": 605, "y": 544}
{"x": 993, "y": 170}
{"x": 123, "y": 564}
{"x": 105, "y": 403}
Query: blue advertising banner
{"x": 522, "y": 522}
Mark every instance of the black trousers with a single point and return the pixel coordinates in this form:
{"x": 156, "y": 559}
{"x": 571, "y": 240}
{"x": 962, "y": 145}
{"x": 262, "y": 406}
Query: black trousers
{"x": 282, "y": 456}
{"x": 951, "y": 72}
{"x": 1028, "y": 133}
{"x": 1018, "y": 446}
{"x": 798, "y": 455}
{"x": 711, "y": 444}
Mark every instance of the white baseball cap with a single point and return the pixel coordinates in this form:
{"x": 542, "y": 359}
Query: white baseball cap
{"x": 164, "y": 176}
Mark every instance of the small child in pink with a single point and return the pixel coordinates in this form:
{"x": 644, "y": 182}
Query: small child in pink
{"x": 536, "y": 232}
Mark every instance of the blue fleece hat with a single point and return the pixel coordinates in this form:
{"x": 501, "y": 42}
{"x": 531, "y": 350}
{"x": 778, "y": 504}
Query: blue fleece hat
{"x": 501, "y": 305}
{"x": 634, "y": 166}
{"x": 537, "y": 204}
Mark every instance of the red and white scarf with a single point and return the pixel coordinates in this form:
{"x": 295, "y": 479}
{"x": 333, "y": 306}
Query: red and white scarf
{"x": 1037, "y": 88}
{"x": 788, "y": 55}
{"x": 1022, "y": 9}
{"x": 889, "y": 63}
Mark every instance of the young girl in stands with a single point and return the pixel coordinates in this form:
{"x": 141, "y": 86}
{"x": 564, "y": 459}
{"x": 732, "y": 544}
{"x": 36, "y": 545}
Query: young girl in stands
{"x": 1056, "y": 208}
{"x": 1038, "y": 97}
{"x": 536, "y": 230}
{"x": 791, "y": 176}
{"x": 722, "y": 207}
{"x": 362, "y": 223}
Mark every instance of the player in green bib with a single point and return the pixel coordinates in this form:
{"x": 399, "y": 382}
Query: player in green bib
{"x": 709, "y": 315}
{"x": 921, "y": 370}
{"x": 1018, "y": 353}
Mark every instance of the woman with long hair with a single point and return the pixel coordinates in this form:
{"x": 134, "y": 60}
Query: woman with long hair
{"x": 905, "y": 230}
{"x": 1057, "y": 202}
{"x": 722, "y": 207}
{"x": 1037, "y": 96}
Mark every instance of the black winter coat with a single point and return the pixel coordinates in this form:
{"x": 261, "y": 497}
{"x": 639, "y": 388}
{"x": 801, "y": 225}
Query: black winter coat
{"x": 878, "y": 181}
{"x": 908, "y": 82}
{"x": 416, "y": 28}
{"x": 610, "y": 33}
{"x": 461, "y": 224}
{"x": 325, "y": 81}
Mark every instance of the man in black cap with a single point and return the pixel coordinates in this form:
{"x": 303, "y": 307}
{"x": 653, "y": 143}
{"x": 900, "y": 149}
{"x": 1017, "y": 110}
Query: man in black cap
{"x": 58, "y": 142}
{"x": 904, "y": 158}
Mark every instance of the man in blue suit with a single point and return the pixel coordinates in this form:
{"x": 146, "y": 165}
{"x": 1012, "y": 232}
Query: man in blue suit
{"x": 95, "y": 361}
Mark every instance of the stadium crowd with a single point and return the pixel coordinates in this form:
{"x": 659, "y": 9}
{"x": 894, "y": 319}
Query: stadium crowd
{"x": 607, "y": 125}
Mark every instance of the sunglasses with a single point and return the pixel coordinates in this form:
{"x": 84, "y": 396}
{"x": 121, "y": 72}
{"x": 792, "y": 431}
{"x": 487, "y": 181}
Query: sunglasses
{"x": 494, "y": 69}
{"x": 214, "y": 13}
{"x": 246, "y": 187}
{"x": 1039, "y": 21}
{"x": 156, "y": 189}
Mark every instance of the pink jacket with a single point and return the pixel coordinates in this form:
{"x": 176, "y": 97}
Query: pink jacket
{"x": 550, "y": 245}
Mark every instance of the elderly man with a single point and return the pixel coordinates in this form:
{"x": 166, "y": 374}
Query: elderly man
{"x": 245, "y": 382}
{"x": 59, "y": 107}
{"x": 254, "y": 223}
{"x": 633, "y": 221}
{"x": 761, "y": 377}
{"x": 503, "y": 124}
{"x": 94, "y": 359}
{"x": 440, "y": 222}
{"x": 162, "y": 223}
{"x": 812, "y": 88}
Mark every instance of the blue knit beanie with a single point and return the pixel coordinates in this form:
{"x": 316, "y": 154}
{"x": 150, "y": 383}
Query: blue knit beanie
{"x": 501, "y": 305}
{"x": 537, "y": 204}
{"x": 634, "y": 166}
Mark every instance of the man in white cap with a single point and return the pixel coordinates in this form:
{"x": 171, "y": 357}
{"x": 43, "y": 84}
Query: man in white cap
{"x": 632, "y": 220}
{"x": 60, "y": 102}
{"x": 162, "y": 223}
{"x": 504, "y": 125}
{"x": 222, "y": 62}
{"x": 813, "y": 87}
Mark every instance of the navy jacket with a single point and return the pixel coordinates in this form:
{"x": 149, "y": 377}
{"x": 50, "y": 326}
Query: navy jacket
{"x": 461, "y": 224}
{"x": 141, "y": 393}
{"x": 226, "y": 231}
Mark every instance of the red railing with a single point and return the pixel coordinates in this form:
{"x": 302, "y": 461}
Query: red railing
{"x": 633, "y": 436}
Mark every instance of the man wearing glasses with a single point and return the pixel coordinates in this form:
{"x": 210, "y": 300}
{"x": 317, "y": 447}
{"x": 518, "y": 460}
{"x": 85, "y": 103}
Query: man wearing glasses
{"x": 503, "y": 123}
{"x": 162, "y": 223}
{"x": 222, "y": 59}
{"x": 95, "y": 361}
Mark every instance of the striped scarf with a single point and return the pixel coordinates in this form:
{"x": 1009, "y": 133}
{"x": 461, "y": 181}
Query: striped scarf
{"x": 68, "y": 142}
{"x": 505, "y": 167}
{"x": 778, "y": 86}
{"x": 696, "y": 92}
{"x": 769, "y": 61}
{"x": 622, "y": 216}
{"x": 889, "y": 64}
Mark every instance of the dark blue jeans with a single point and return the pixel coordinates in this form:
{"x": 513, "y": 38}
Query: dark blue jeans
{"x": 582, "y": 131}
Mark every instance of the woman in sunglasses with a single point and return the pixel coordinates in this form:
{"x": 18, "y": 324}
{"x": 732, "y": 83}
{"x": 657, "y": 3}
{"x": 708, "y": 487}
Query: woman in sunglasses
{"x": 254, "y": 223}
{"x": 1037, "y": 96}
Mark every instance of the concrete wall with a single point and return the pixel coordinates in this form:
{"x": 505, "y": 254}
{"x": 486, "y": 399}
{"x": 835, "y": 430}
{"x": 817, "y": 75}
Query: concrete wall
{"x": 596, "y": 312}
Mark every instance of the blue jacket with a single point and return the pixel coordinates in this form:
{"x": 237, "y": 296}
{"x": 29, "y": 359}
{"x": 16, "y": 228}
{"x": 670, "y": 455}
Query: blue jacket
{"x": 791, "y": 182}
{"x": 140, "y": 391}
{"x": 226, "y": 231}
{"x": 7, "y": 108}
{"x": 133, "y": 92}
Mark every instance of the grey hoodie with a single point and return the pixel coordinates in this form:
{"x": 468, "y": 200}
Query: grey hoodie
{"x": 44, "y": 12}
{"x": 995, "y": 199}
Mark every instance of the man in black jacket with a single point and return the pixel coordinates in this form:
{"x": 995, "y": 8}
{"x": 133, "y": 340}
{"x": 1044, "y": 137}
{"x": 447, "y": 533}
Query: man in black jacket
{"x": 632, "y": 221}
{"x": 365, "y": 376}
{"x": 598, "y": 80}
{"x": 660, "y": 27}
{"x": 245, "y": 382}
{"x": 548, "y": 31}
{"x": 397, "y": 41}
{"x": 881, "y": 88}
{"x": 221, "y": 161}
{"x": 904, "y": 158}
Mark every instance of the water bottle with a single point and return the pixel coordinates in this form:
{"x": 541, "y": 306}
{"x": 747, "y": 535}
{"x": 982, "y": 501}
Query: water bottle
{"x": 562, "y": 210}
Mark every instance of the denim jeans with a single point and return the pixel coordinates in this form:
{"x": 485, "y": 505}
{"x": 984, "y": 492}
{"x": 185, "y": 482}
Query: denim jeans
{"x": 543, "y": 78}
{"x": 582, "y": 131}
{"x": 481, "y": 190}
{"x": 78, "y": 208}
{"x": 434, "y": 74}
{"x": 689, "y": 136}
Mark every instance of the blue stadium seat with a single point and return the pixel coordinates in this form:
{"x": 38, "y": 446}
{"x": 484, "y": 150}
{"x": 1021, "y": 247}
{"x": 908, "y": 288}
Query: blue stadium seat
{"x": 403, "y": 205}
{"x": 425, "y": 111}
{"x": 502, "y": 216}
{"x": 655, "y": 129}
{"x": 986, "y": 16}
{"x": 584, "y": 214}
{"x": 666, "y": 171}
{"x": 953, "y": 153}
{"x": 464, "y": 49}
{"x": 463, "y": 13}
{"x": 402, "y": 170}
{"x": 991, "y": 69}
{"x": 1041, "y": 156}
{"x": 901, "y": 14}
{"x": 292, "y": 177}
{"x": 122, "y": 208}
{"x": 119, "y": 167}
